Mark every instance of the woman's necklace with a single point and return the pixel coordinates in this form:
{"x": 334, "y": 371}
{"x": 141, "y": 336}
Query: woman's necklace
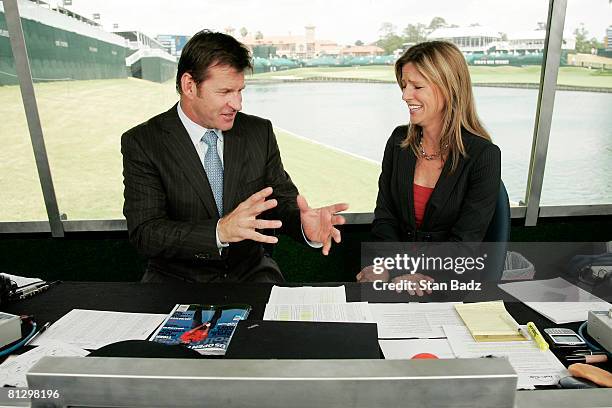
{"x": 432, "y": 156}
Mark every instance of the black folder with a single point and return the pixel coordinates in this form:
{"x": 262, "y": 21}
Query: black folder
{"x": 264, "y": 339}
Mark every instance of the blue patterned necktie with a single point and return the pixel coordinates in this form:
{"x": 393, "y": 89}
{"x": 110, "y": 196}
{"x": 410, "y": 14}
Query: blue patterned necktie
{"x": 214, "y": 168}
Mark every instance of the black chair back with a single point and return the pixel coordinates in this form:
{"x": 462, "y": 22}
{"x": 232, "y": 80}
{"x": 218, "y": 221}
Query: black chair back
{"x": 498, "y": 232}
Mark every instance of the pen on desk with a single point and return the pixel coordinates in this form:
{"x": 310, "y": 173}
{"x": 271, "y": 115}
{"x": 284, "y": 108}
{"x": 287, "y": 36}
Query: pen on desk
{"x": 48, "y": 285}
{"x": 537, "y": 336}
{"x": 31, "y": 292}
{"x": 41, "y": 286}
{"x": 508, "y": 319}
{"x": 42, "y": 329}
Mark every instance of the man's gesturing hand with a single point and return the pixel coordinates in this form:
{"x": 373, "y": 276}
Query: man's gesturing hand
{"x": 241, "y": 223}
{"x": 318, "y": 223}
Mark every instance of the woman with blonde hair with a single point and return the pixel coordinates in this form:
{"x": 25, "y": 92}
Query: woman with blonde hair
{"x": 440, "y": 173}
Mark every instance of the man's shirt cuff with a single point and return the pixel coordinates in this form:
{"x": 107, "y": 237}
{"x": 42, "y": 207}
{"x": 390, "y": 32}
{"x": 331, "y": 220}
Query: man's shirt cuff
{"x": 220, "y": 245}
{"x": 312, "y": 244}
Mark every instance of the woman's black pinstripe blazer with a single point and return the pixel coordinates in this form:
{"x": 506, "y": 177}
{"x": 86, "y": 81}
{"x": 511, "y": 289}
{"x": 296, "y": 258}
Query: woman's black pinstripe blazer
{"x": 461, "y": 205}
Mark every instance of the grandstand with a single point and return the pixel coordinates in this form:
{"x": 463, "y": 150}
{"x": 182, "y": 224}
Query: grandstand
{"x": 173, "y": 44}
{"x": 62, "y": 46}
{"x": 486, "y": 46}
{"x": 474, "y": 39}
{"x": 148, "y": 58}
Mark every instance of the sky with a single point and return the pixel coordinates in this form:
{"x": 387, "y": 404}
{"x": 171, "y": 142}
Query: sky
{"x": 343, "y": 21}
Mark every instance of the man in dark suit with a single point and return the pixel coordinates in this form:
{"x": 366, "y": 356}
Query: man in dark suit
{"x": 203, "y": 180}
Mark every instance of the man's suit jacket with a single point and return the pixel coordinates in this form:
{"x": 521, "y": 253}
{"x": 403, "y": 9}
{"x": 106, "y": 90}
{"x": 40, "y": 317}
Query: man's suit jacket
{"x": 169, "y": 205}
{"x": 461, "y": 205}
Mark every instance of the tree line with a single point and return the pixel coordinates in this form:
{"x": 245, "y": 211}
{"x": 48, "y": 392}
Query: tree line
{"x": 413, "y": 33}
{"x": 390, "y": 40}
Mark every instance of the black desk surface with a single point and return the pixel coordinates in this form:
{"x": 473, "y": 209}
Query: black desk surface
{"x": 161, "y": 298}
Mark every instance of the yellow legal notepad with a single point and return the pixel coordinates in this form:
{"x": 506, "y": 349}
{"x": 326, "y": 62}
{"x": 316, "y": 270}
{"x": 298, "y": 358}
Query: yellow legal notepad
{"x": 486, "y": 321}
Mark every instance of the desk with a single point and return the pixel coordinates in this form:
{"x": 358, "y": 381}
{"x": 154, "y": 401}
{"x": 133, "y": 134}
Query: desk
{"x": 160, "y": 298}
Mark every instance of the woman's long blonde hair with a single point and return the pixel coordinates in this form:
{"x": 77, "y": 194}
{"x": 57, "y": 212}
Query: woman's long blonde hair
{"x": 442, "y": 64}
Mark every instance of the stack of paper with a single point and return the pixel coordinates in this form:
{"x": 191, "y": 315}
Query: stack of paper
{"x": 92, "y": 329}
{"x": 407, "y": 349}
{"x": 486, "y": 321}
{"x": 315, "y": 304}
{"x": 353, "y": 312}
{"x": 533, "y": 366}
{"x": 306, "y": 295}
{"x": 413, "y": 320}
{"x": 556, "y": 299}
{"x": 13, "y": 370}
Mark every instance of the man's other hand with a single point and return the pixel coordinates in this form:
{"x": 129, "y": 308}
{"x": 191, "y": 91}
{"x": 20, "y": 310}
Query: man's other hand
{"x": 241, "y": 223}
{"x": 367, "y": 274}
{"x": 318, "y": 223}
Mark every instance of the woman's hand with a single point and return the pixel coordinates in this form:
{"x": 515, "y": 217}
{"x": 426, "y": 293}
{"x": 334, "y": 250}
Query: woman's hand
{"x": 367, "y": 274}
{"x": 418, "y": 281}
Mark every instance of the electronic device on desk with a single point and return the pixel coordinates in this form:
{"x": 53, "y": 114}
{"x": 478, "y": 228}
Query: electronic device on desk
{"x": 13, "y": 287}
{"x": 599, "y": 327}
{"x": 594, "y": 271}
{"x": 10, "y": 290}
{"x": 565, "y": 339}
{"x": 10, "y": 328}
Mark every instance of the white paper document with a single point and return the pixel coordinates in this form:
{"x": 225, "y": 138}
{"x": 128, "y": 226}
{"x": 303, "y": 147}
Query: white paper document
{"x": 92, "y": 329}
{"x": 533, "y": 366}
{"x": 306, "y": 295}
{"x": 13, "y": 371}
{"x": 353, "y": 312}
{"x": 413, "y": 320}
{"x": 21, "y": 281}
{"x": 556, "y": 299}
{"x": 406, "y": 349}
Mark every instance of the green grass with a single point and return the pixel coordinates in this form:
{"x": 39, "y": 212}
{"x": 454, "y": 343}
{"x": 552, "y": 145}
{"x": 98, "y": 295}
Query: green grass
{"x": 520, "y": 75}
{"x": 82, "y": 124}
{"x": 577, "y": 76}
{"x": 325, "y": 176}
{"x": 571, "y": 76}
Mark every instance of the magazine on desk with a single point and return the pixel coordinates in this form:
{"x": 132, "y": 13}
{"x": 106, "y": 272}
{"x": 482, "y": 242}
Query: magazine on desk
{"x": 206, "y": 329}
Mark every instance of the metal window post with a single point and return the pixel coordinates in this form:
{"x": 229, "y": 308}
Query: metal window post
{"x": 26, "y": 85}
{"x": 546, "y": 102}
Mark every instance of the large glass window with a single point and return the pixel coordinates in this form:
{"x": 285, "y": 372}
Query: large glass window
{"x": 327, "y": 83}
{"x": 21, "y": 196}
{"x": 579, "y": 162}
